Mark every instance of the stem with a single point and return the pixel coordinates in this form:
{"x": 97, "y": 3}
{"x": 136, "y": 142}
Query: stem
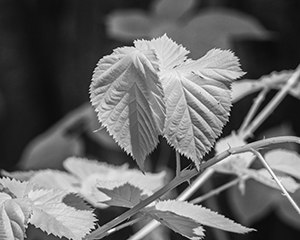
{"x": 183, "y": 196}
{"x": 178, "y": 164}
{"x": 186, "y": 175}
{"x": 271, "y": 105}
{"x": 129, "y": 223}
{"x": 258, "y": 100}
{"x": 218, "y": 190}
{"x": 284, "y": 191}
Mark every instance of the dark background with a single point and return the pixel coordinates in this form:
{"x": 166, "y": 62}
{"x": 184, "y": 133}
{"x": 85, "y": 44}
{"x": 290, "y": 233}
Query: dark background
{"x": 48, "y": 50}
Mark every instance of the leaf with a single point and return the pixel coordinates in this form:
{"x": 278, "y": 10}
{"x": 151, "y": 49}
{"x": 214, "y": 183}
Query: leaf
{"x": 55, "y": 179}
{"x": 263, "y": 176}
{"x": 126, "y": 195}
{"x": 215, "y": 28}
{"x": 92, "y": 172}
{"x": 186, "y": 218}
{"x": 197, "y": 96}
{"x": 52, "y": 216}
{"x": 60, "y": 141}
{"x": 233, "y": 163}
{"x": 128, "y": 98}
{"x": 88, "y": 169}
{"x": 13, "y": 220}
{"x": 171, "y": 9}
{"x": 284, "y": 161}
{"x": 256, "y": 202}
{"x": 129, "y": 24}
{"x": 17, "y": 188}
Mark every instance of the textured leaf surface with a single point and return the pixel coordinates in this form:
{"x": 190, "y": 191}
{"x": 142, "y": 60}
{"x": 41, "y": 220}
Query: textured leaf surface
{"x": 53, "y": 216}
{"x": 128, "y": 97}
{"x": 126, "y": 195}
{"x": 187, "y": 218}
{"x": 14, "y": 216}
{"x": 197, "y": 96}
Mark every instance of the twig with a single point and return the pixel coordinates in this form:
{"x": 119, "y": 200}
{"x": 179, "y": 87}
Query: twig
{"x": 218, "y": 190}
{"x": 129, "y": 223}
{"x": 257, "y": 102}
{"x": 184, "y": 176}
{"x": 271, "y": 105}
{"x": 178, "y": 164}
{"x": 284, "y": 191}
{"x": 202, "y": 178}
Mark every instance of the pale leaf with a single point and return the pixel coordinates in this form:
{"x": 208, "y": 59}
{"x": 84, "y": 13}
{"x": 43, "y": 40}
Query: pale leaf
{"x": 171, "y": 9}
{"x": 88, "y": 169}
{"x": 55, "y": 179}
{"x": 126, "y": 195}
{"x": 197, "y": 96}
{"x": 128, "y": 98}
{"x": 13, "y": 220}
{"x": 284, "y": 161}
{"x": 6, "y": 231}
{"x": 17, "y": 188}
{"x": 128, "y": 24}
{"x": 188, "y": 218}
{"x": 52, "y": 216}
{"x": 263, "y": 176}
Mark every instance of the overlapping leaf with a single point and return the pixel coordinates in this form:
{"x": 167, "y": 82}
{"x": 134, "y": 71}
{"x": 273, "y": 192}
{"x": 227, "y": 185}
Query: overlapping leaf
{"x": 197, "y": 96}
{"x": 127, "y": 93}
{"x": 53, "y": 216}
{"x": 128, "y": 98}
{"x": 26, "y": 203}
{"x": 125, "y": 195}
{"x": 187, "y": 219}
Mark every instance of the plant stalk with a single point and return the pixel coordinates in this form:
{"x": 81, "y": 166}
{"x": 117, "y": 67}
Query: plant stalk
{"x": 271, "y": 105}
{"x": 184, "y": 176}
{"x": 284, "y": 191}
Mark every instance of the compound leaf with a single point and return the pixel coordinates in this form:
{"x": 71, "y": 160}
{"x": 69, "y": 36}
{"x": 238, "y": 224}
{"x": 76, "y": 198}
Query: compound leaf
{"x": 128, "y": 98}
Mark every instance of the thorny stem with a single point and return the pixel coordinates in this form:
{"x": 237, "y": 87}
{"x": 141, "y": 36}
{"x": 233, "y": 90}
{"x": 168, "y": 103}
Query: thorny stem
{"x": 258, "y": 100}
{"x": 284, "y": 191}
{"x": 186, "y": 175}
{"x": 183, "y": 196}
{"x": 271, "y": 105}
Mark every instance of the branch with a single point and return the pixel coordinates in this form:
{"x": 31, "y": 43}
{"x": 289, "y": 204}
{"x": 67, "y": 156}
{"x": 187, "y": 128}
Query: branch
{"x": 284, "y": 191}
{"x": 186, "y": 175}
{"x": 271, "y": 105}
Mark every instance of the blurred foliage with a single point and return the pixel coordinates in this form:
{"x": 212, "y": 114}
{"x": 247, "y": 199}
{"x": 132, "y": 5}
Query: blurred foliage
{"x": 48, "y": 50}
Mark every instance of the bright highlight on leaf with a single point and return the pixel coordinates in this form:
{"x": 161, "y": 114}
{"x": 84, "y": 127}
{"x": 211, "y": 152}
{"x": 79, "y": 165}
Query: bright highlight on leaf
{"x": 187, "y": 219}
{"x": 44, "y": 208}
{"x": 153, "y": 89}
{"x": 128, "y": 98}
